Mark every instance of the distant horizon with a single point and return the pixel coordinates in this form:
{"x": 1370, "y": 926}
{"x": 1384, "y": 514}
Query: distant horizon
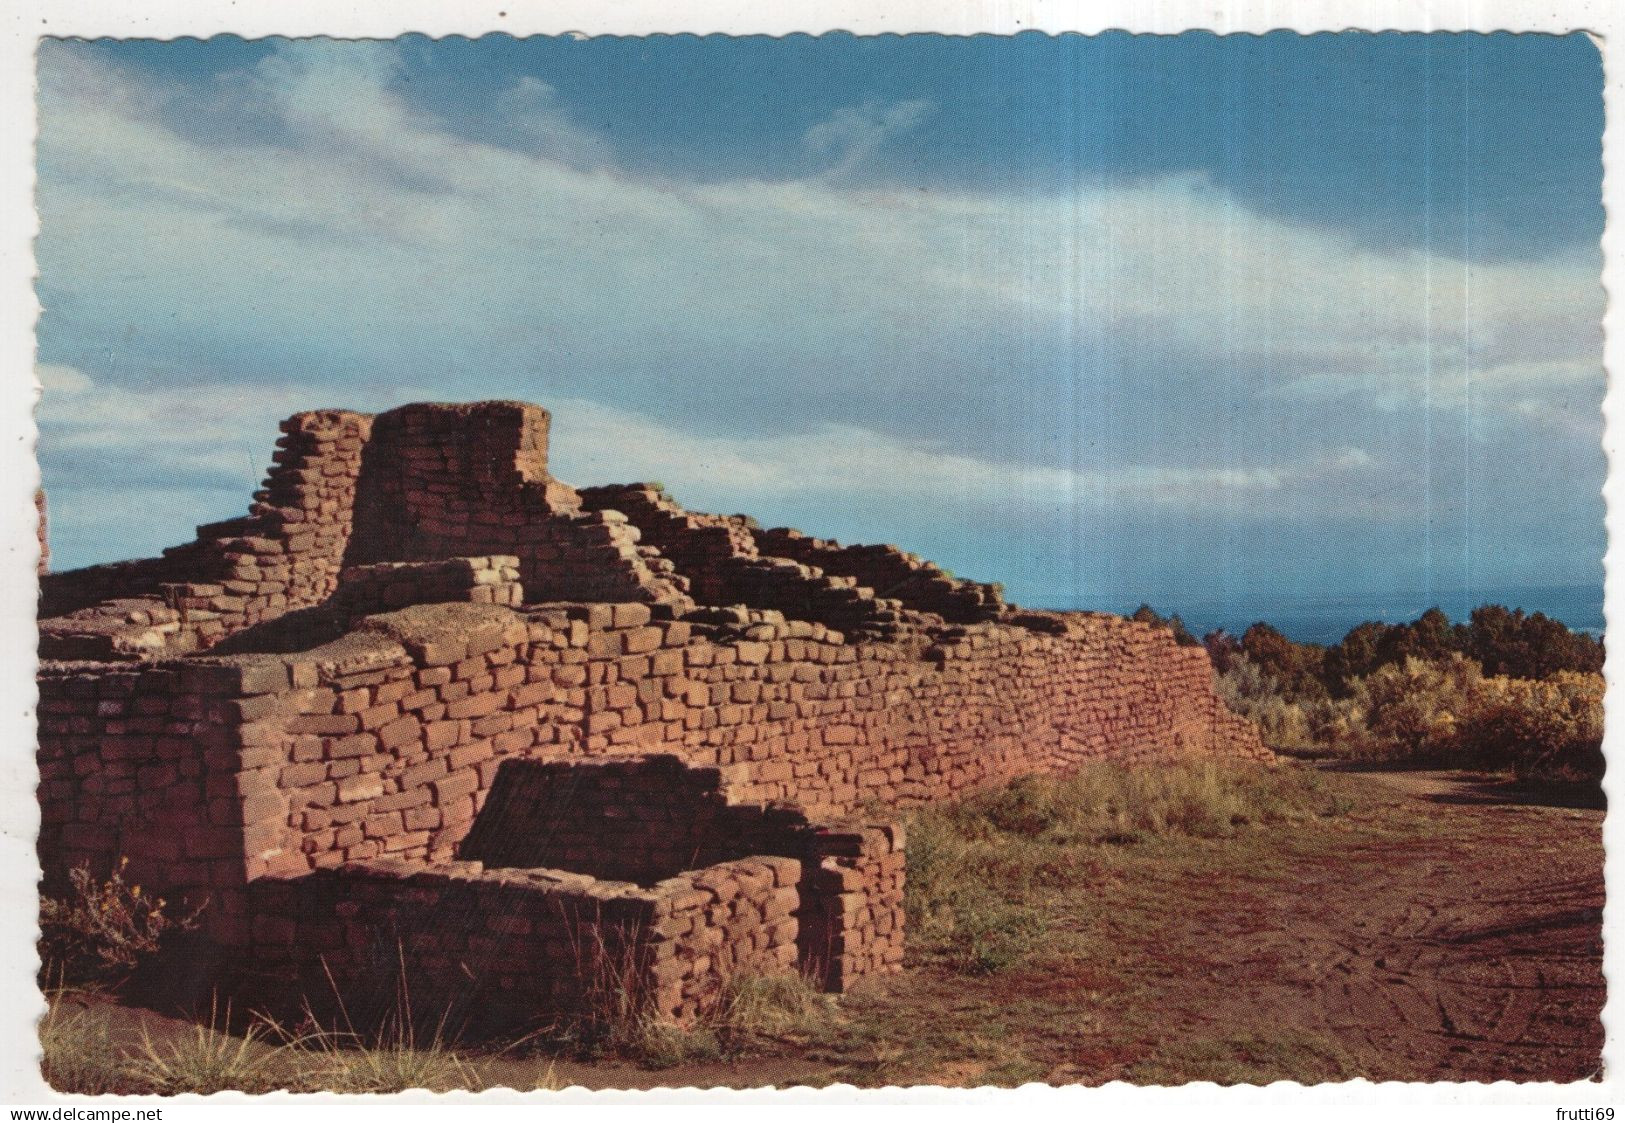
{"x": 1327, "y": 619}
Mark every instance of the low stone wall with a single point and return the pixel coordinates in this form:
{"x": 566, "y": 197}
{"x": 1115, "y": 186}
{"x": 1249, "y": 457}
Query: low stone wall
{"x": 365, "y": 590}
{"x": 506, "y": 950}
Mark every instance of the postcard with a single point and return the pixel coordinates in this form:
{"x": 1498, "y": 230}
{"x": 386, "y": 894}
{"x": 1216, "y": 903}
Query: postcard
{"x": 573, "y": 559}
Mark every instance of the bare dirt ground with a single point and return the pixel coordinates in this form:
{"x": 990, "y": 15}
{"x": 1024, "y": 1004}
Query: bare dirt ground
{"x": 1442, "y": 927}
{"x": 1445, "y": 928}
{"x": 1458, "y": 938}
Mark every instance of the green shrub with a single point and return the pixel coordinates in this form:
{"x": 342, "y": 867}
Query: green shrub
{"x": 1441, "y": 711}
{"x": 1299, "y": 726}
{"x": 1412, "y": 710}
{"x": 1145, "y": 614}
{"x": 1549, "y": 729}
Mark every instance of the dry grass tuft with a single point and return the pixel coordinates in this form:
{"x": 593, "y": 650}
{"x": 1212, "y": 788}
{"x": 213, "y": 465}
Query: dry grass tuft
{"x": 979, "y": 870}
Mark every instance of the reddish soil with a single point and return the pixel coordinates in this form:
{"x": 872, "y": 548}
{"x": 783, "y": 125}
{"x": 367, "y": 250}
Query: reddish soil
{"x": 1445, "y": 929}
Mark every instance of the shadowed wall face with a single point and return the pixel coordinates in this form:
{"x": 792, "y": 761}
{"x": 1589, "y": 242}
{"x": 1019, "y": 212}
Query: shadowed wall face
{"x": 436, "y": 477}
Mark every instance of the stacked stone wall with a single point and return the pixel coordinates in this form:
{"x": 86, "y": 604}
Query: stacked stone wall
{"x": 765, "y": 892}
{"x": 366, "y": 590}
{"x": 852, "y": 922}
{"x": 640, "y": 819}
{"x": 386, "y": 742}
{"x": 704, "y": 549}
{"x": 446, "y": 481}
{"x": 285, "y": 554}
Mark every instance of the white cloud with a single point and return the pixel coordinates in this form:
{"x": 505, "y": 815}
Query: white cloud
{"x": 852, "y": 135}
{"x": 356, "y": 253}
{"x": 381, "y": 223}
{"x": 64, "y": 380}
{"x": 219, "y": 433}
{"x": 540, "y": 121}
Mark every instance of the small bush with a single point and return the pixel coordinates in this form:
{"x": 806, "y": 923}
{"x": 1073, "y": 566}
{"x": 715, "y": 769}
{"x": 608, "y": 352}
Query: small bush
{"x": 342, "y": 1062}
{"x": 103, "y": 929}
{"x": 1412, "y": 709}
{"x": 662, "y": 1043}
{"x": 1294, "y": 726}
{"x": 994, "y": 936}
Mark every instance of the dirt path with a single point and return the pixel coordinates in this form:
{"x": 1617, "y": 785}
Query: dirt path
{"x": 1471, "y": 950}
{"x": 1447, "y": 934}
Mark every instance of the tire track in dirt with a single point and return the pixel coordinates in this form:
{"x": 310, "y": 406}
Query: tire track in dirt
{"x": 1461, "y": 944}
{"x": 1479, "y": 956}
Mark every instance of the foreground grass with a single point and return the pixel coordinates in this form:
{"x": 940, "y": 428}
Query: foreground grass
{"x": 93, "y": 1046}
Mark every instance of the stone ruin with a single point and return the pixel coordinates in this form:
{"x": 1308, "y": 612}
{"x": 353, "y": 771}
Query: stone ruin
{"x": 428, "y": 712}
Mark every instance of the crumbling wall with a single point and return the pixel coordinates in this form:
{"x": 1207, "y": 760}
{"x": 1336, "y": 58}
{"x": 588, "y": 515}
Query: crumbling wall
{"x": 704, "y": 549}
{"x": 910, "y": 580}
{"x": 285, "y": 554}
{"x": 717, "y": 557}
{"x": 442, "y": 481}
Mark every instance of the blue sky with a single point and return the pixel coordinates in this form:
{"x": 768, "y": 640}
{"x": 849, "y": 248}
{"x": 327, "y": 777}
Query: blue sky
{"x": 1102, "y": 318}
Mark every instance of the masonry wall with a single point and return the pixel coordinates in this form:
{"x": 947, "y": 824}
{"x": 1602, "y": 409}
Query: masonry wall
{"x": 285, "y": 554}
{"x": 386, "y": 742}
{"x": 159, "y": 765}
{"x": 487, "y": 950}
{"x": 636, "y": 819}
{"x": 375, "y": 669}
{"x": 441, "y": 481}
{"x": 366, "y": 590}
